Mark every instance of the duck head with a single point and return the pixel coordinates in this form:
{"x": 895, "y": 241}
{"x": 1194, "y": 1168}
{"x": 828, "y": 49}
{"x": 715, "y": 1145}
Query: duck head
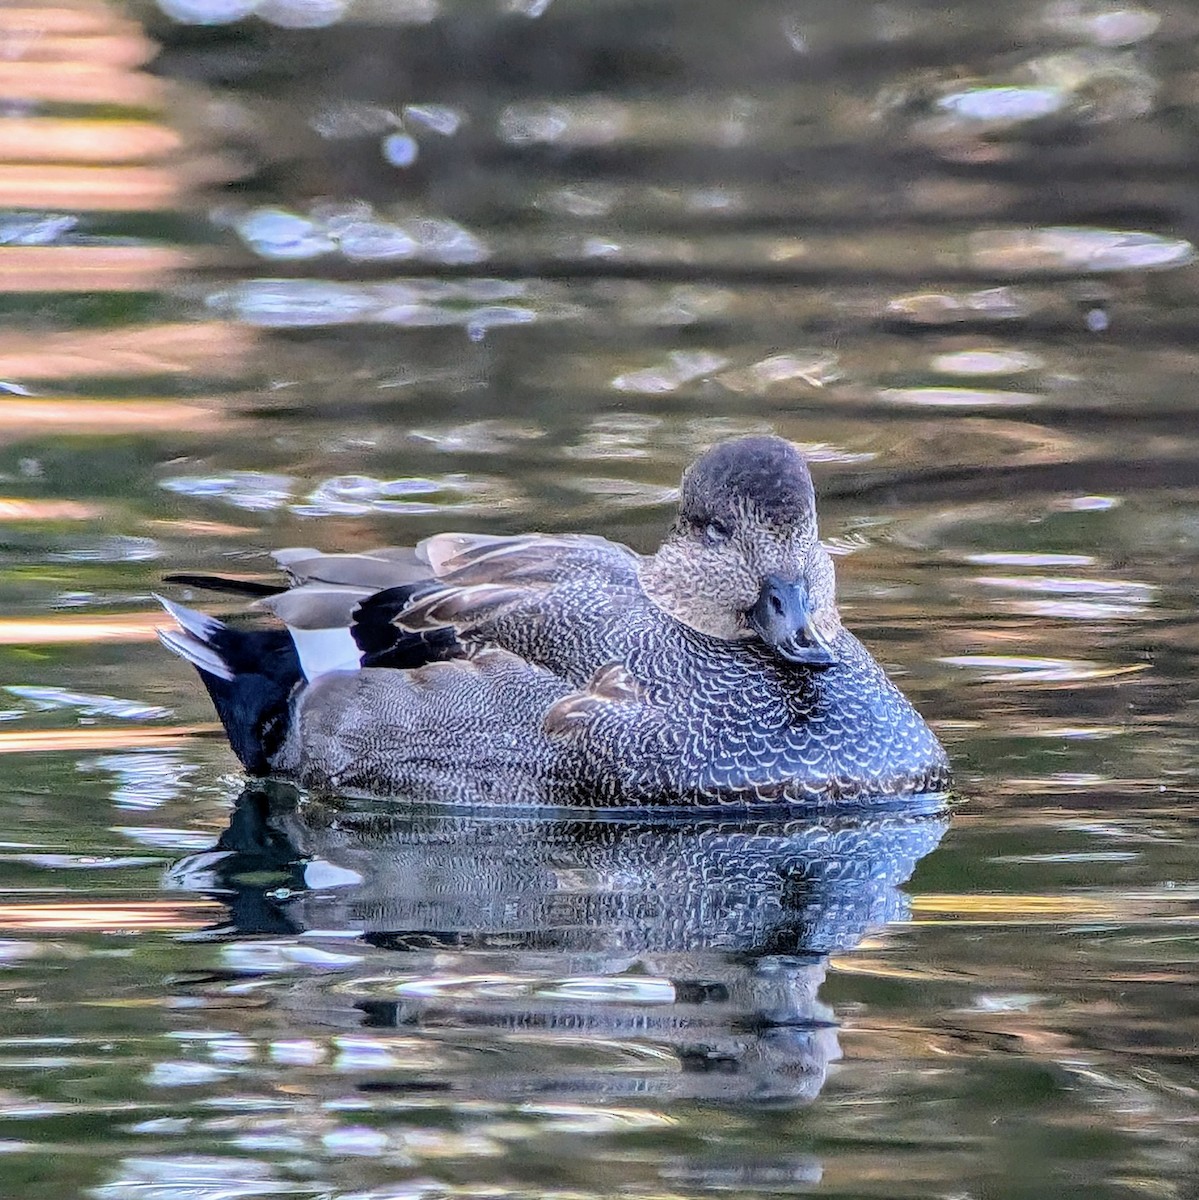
{"x": 743, "y": 560}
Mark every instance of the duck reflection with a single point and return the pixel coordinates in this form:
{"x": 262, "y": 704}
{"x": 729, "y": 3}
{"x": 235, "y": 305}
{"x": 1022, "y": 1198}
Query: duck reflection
{"x": 645, "y": 955}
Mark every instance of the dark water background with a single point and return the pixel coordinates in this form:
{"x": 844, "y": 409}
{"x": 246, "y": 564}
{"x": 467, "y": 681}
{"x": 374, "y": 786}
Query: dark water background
{"x": 347, "y": 272}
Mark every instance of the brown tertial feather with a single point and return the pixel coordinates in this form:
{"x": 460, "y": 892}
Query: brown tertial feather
{"x": 444, "y": 548}
{"x": 467, "y": 558}
{"x": 611, "y": 685}
{"x": 461, "y": 607}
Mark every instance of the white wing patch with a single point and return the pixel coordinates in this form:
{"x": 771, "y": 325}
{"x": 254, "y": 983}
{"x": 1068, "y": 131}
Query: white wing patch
{"x": 323, "y": 651}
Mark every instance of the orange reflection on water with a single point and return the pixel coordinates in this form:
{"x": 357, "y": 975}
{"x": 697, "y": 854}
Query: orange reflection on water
{"x": 39, "y": 741}
{"x": 13, "y": 509}
{"x": 200, "y": 528}
{"x": 32, "y": 22}
{"x": 1005, "y": 909}
{"x": 128, "y": 350}
{"x": 85, "y": 268}
{"x": 107, "y": 416}
{"x": 87, "y": 54}
{"x": 78, "y": 83}
{"x": 125, "y": 917}
{"x": 56, "y": 631}
{"x": 47, "y": 49}
{"x": 102, "y": 42}
{"x": 87, "y": 188}
{"x": 47, "y": 139}
{"x": 882, "y": 968}
{"x": 1015, "y": 908}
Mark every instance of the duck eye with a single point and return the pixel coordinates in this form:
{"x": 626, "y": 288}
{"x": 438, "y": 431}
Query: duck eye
{"x": 716, "y": 532}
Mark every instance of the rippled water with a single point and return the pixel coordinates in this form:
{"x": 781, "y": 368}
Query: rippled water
{"x": 345, "y": 272}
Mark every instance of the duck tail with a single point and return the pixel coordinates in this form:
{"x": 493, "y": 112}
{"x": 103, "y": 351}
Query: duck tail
{"x": 250, "y": 675}
{"x": 226, "y": 583}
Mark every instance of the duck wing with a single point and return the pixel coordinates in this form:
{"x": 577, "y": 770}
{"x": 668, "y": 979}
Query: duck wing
{"x": 555, "y": 600}
{"x": 341, "y": 608}
{"x": 372, "y": 571}
{"x": 365, "y": 573}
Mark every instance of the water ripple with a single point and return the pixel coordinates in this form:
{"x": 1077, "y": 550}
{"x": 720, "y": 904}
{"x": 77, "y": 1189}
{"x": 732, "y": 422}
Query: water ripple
{"x": 47, "y": 699}
{"x": 1132, "y": 591}
{"x": 1088, "y": 599}
{"x": 313, "y": 303}
{"x": 679, "y": 230}
{"x": 351, "y": 495}
{"x": 680, "y": 367}
{"x": 958, "y": 397}
{"x": 290, "y": 14}
{"x": 356, "y": 232}
{"x": 1025, "y": 558}
{"x": 997, "y": 361}
{"x": 1009, "y": 668}
{"x": 1073, "y": 250}
{"x": 638, "y": 989}
{"x": 623, "y": 493}
{"x": 198, "y": 1177}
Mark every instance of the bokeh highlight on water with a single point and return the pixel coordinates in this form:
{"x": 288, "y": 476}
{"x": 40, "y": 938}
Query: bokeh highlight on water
{"x": 346, "y": 272}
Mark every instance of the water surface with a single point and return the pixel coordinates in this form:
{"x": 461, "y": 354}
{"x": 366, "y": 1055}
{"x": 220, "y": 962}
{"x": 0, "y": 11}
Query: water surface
{"x": 334, "y": 273}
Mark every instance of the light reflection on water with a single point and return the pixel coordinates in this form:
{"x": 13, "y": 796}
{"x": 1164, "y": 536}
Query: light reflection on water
{"x": 339, "y": 273}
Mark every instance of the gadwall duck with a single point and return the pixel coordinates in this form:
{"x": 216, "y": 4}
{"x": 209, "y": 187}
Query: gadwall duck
{"x": 566, "y": 669}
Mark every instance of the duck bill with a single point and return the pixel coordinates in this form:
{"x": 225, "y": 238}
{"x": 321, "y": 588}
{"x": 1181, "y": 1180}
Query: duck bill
{"x": 782, "y": 618}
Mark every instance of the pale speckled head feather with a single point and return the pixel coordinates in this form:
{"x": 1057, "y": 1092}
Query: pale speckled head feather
{"x": 747, "y": 517}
